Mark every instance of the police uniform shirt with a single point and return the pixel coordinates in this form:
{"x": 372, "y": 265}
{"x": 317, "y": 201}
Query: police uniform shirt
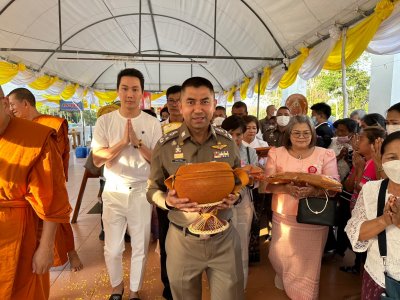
{"x": 273, "y": 137}
{"x": 178, "y": 148}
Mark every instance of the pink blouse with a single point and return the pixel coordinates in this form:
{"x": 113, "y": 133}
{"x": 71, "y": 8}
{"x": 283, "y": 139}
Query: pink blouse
{"x": 321, "y": 161}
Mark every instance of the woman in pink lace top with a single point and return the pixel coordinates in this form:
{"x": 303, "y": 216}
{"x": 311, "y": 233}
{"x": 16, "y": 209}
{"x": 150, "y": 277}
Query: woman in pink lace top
{"x": 296, "y": 249}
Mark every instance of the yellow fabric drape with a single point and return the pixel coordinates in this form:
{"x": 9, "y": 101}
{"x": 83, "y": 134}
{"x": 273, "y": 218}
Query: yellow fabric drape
{"x": 9, "y": 70}
{"x": 359, "y": 36}
{"x": 156, "y": 96}
{"x": 69, "y": 91}
{"x": 244, "y": 87}
{"x": 85, "y": 104}
{"x": 291, "y": 74}
{"x": 230, "y": 94}
{"x": 43, "y": 82}
{"x": 52, "y": 98}
{"x": 264, "y": 81}
{"x": 106, "y": 97}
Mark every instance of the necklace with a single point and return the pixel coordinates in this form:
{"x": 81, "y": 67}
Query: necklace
{"x": 299, "y": 155}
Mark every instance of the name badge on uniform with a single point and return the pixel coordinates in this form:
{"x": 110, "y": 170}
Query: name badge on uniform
{"x": 221, "y": 154}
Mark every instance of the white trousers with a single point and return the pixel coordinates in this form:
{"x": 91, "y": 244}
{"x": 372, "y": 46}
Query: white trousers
{"x": 241, "y": 219}
{"x": 126, "y": 206}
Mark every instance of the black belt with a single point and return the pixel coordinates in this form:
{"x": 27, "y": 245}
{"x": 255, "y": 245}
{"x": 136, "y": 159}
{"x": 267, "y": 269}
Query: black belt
{"x": 186, "y": 231}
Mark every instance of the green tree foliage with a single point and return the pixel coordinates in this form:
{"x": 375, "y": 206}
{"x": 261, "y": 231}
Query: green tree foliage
{"x": 327, "y": 87}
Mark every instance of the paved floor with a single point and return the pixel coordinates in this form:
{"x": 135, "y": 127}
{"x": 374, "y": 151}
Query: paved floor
{"x": 92, "y": 282}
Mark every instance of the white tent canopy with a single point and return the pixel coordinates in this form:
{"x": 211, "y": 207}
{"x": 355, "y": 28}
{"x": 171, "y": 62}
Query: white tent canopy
{"x": 249, "y": 29}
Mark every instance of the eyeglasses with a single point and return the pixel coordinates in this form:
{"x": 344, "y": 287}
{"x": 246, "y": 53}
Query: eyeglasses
{"x": 298, "y": 134}
{"x": 172, "y": 101}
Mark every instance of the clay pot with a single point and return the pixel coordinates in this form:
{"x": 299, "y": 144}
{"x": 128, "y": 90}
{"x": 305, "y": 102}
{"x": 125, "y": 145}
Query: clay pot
{"x": 208, "y": 182}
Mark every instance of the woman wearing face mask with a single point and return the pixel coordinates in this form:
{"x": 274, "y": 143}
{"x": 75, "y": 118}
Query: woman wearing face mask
{"x": 341, "y": 144}
{"x": 392, "y": 125}
{"x": 274, "y": 136}
{"x": 364, "y": 225}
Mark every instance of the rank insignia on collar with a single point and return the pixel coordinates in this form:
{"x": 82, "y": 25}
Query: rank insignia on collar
{"x": 219, "y": 146}
{"x": 178, "y": 153}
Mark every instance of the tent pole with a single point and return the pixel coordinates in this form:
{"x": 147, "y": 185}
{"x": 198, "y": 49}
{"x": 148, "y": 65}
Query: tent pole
{"x": 140, "y": 26}
{"x": 258, "y": 95}
{"x": 59, "y": 24}
{"x": 215, "y": 27}
{"x": 344, "y": 85}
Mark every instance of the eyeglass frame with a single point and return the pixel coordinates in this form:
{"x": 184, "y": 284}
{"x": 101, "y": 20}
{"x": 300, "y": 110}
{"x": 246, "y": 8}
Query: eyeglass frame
{"x": 303, "y": 134}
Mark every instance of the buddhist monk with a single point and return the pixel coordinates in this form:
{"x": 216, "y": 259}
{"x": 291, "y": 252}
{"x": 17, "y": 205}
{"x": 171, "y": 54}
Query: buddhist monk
{"x": 33, "y": 197}
{"x": 23, "y": 105}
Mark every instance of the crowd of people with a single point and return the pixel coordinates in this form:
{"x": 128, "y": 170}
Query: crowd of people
{"x": 139, "y": 152}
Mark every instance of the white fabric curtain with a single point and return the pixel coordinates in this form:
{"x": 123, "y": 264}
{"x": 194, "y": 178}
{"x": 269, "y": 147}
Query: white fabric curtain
{"x": 56, "y": 89}
{"x": 252, "y": 84}
{"x": 387, "y": 38}
{"x": 275, "y": 77}
{"x": 313, "y": 64}
{"x": 24, "y": 77}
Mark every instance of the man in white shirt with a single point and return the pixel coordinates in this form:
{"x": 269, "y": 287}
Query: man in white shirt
{"x": 123, "y": 142}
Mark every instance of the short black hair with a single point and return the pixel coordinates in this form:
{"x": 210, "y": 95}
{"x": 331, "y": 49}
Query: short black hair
{"x": 23, "y": 94}
{"x": 197, "y": 82}
{"x": 374, "y": 119}
{"x": 150, "y": 112}
{"x": 374, "y": 132}
{"x": 239, "y": 104}
{"x": 248, "y": 119}
{"x": 173, "y": 90}
{"x": 322, "y": 108}
{"x": 164, "y": 109}
{"x": 284, "y": 107}
{"x": 233, "y": 123}
{"x": 219, "y": 107}
{"x": 395, "y": 107}
{"x": 390, "y": 138}
{"x": 131, "y": 73}
{"x": 350, "y": 124}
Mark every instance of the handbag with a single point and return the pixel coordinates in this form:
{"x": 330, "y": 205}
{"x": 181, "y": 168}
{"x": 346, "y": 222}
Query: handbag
{"x": 392, "y": 286}
{"x": 317, "y": 211}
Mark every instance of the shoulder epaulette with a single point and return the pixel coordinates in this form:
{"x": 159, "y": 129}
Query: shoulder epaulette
{"x": 223, "y": 132}
{"x": 169, "y": 136}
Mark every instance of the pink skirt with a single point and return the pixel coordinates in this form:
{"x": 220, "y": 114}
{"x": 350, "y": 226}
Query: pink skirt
{"x": 295, "y": 253}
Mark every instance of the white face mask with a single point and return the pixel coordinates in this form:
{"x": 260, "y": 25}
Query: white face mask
{"x": 282, "y": 120}
{"x": 218, "y": 121}
{"x": 392, "y": 128}
{"x": 391, "y": 169}
{"x": 343, "y": 139}
{"x": 314, "y": 120}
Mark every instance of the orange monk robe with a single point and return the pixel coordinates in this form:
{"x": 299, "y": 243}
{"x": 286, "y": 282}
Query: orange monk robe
{"x": 61, "y": 127}
{"x": 31, "y": 190}
{"x": 64, "y": 241}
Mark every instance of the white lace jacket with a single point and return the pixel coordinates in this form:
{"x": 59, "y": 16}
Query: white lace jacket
{"x": 364, "y": 210}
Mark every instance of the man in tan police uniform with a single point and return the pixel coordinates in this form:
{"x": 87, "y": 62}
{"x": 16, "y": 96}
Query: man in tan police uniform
{"x": 188, "y": 255}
